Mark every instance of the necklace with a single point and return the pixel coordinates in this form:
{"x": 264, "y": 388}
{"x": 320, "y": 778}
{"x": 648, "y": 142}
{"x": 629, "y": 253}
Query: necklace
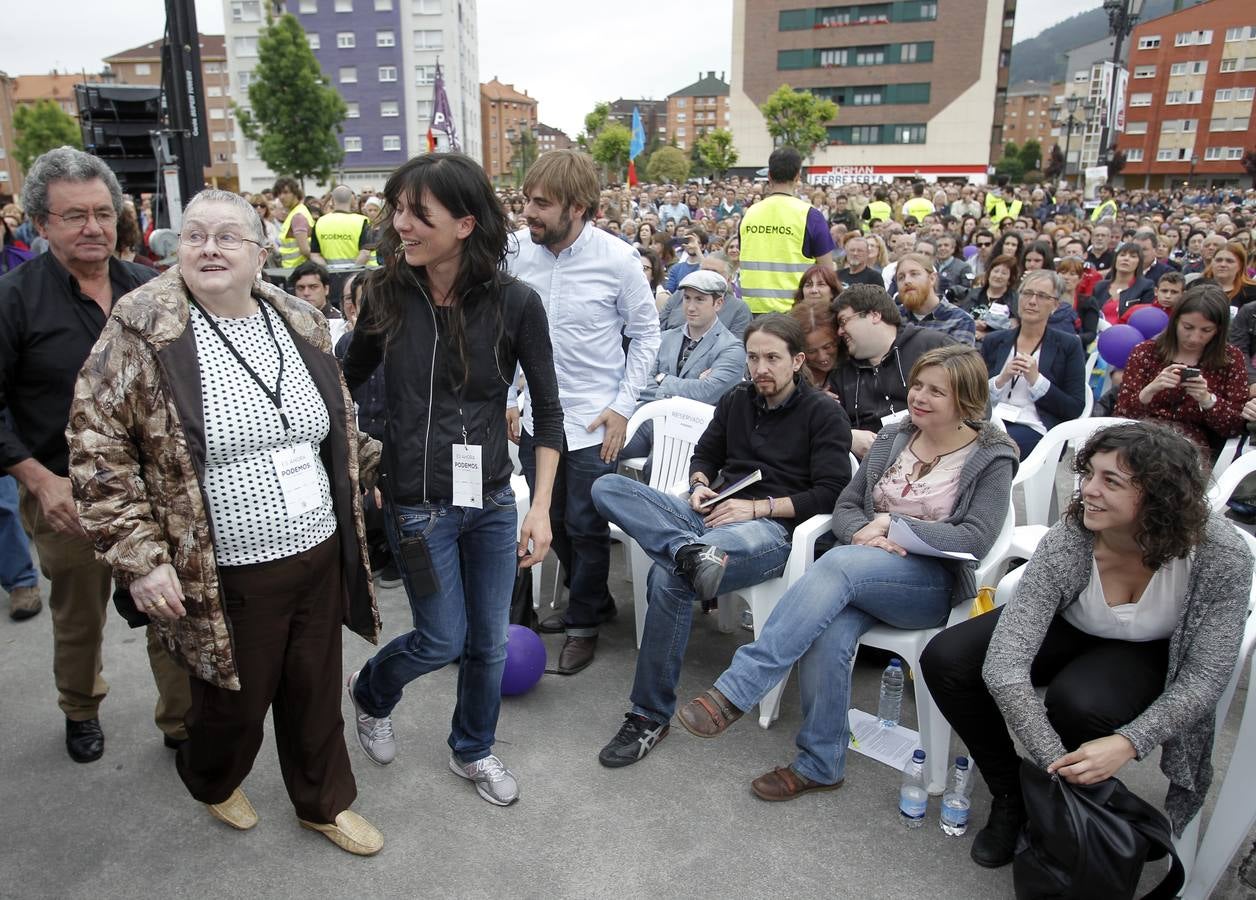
{"x": 923, "y": 468}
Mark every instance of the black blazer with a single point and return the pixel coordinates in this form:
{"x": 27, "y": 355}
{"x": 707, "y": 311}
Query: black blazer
{"x": 1061, "y": 360}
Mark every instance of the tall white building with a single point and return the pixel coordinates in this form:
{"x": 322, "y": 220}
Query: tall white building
{"x": 381, "y": 56}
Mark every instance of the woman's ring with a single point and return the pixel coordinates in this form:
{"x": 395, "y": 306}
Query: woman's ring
{"x": 160, "y": 601}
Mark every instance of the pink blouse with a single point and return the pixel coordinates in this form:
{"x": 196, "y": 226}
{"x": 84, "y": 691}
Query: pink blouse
{"x": 931, "y": 498}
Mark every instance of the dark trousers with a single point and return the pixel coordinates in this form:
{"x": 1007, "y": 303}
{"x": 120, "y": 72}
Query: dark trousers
{"x": 285, "y": 618}
{"x": 1094, "y": 686}
{"x": 582, "y": 536}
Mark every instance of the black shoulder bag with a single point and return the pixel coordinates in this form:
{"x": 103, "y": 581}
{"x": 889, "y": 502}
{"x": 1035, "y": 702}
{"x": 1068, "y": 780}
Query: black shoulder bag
{"x": 1089, "y": 841}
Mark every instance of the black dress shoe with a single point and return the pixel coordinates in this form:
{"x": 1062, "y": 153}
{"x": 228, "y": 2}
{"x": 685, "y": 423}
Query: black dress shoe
{"x": 84, "y": 741}
{"x": 173, "y": 743}
{"x": 995, "y": 845}
{"x": 554, "y": 624}
{"x": 576, "y": 654}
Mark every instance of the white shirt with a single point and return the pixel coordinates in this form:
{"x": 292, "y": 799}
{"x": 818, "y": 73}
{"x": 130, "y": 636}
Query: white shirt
{"x": 592, "y": 291}
{"x": 1152, "y": 618}
{"x": 1022, "y": 394}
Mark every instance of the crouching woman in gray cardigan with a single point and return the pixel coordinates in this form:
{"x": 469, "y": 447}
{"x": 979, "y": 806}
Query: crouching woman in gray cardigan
{"x": 1130, "y": 613}
{"x": 947, "y": 476}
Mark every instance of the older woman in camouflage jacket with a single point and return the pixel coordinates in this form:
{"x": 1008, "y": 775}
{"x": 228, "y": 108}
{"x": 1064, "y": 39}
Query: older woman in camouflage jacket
{"x": 217, "y": 467}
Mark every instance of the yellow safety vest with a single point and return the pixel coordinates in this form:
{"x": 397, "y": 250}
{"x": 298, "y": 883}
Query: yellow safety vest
{"x": 918, "y": 207}
{"x": 878, "y": 211}
{"x": 1098, "y": 213}
{"x": 772, "y": 261}
{"x": 998, "y": 209}
{"x": 339, "y": 234}
{"x": 289, "y": 253}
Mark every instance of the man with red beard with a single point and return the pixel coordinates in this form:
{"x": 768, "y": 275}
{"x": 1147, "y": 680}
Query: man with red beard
{"x": 920, "y": 304}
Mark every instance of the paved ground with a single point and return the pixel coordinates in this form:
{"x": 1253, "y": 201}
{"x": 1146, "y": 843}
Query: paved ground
{"x": 681, "y": 823}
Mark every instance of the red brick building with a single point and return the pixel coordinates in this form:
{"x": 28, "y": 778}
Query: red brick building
{"x": 1189, "y": 103}
{"x": 504, "y": 113}
{"x": 696, "y": 109}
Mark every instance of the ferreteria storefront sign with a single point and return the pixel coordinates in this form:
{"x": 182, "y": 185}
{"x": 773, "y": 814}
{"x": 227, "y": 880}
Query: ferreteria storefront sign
{"x": 886, "y": 174}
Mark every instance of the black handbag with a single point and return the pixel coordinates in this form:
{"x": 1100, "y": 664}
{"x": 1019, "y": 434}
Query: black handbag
{"x": 521, "y": 610}
{"x": 1089, "y": 841}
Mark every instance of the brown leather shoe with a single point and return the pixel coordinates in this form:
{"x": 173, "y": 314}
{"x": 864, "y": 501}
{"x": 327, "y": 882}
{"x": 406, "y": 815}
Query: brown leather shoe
{"x": 24, "y": 602}
{"x": 708, "y": 715}
{"x": 576, "y": 654}
{"x": 786, "y": 784}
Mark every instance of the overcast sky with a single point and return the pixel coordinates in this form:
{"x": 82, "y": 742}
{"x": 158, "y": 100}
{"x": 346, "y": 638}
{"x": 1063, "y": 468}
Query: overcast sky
{"x": 569, "y": 54}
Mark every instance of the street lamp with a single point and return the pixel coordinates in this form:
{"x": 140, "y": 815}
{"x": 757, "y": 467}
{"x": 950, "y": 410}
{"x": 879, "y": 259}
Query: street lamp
{"x": 1122, "y": 17}
{"x": 1070, "y": 121}
{"x": 1190, "y": 179}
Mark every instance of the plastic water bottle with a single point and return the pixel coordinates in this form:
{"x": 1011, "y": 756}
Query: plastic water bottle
{"x": 955, "y": 802}
{"x": 913, "y": 796}
{"x": 891, "y": 702}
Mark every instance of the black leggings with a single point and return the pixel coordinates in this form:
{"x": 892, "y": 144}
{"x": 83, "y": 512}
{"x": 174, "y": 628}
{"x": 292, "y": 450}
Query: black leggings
{"x": 1094, "y": 686}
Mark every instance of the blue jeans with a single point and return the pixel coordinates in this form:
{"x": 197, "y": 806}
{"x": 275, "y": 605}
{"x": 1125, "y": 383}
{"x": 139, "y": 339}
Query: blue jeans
{"x": 581, "y": 536}
{"x": 16, "y": 568}
{"x": 662, "y": 524}
{"x": 818, "y": 624}
{"x": 473, "y": 553}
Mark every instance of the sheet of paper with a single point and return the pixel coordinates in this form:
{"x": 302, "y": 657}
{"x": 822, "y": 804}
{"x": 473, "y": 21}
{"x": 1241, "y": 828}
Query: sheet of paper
{"x": 468, "y": 481}
{"x": 902, "y": 535}
{"x": 892, "y": 746}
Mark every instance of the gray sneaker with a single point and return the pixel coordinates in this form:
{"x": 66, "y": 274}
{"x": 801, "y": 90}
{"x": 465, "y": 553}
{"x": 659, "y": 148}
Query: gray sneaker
{"x": 374, "y": 734}
{"x": 495, "y": 782}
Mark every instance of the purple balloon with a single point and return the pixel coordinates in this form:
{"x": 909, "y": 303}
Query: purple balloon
{"x": 1149, "y": 320}
{"x": 525, "y": 661}
{"x": 1116, "y": 344}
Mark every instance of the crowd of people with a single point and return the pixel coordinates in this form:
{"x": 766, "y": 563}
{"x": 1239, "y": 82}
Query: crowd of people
{"x": 239, "y": 466}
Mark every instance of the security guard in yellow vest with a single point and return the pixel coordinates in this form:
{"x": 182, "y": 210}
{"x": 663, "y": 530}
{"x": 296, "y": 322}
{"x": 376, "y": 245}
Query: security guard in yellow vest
{"x": 781, "y": 237}
{"x": 341, "y": 233}
{"x": 878, "y": 210}
{"x": 294, "y": 234}
{"x": 997, "y": 207}
{"x": 918, "y": 206}
{"x": 1107, "y": 207}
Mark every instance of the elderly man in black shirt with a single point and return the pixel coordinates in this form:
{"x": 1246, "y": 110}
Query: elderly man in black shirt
{"x": 777, "y": 424}
{"x": 52, "y": 310}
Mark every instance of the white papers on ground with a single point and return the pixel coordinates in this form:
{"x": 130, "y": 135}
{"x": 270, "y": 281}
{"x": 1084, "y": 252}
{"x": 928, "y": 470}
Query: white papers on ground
{"x": 892, "y": 746}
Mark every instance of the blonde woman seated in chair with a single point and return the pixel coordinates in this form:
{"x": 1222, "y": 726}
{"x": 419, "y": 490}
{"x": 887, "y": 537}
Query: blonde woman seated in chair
{"x": 947, "y": 476}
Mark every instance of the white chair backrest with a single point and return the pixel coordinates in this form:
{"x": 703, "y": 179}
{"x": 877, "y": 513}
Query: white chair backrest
{"x": 1225, "y": 483}
{"x": 1089, "y": 406}
{"x": 990, "y": 563}
{"x": 1036, "y": 475}
{"x": 678, "y": 423}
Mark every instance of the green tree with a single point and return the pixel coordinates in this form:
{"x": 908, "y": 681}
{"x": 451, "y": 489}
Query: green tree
{"x": 594, "y": 122}
{"x": 43, "y": 127}
{"x": 798, "y": 118}
{"x": 610, "y": 149}
{"x": 1011, "y": 164}
{"x": 296, "y": 116}
{"x": 1031, "y": 154}
{"x": 668, "y": 165}
{"x": 523, "y": 153}
{"x": 717, "y": 151}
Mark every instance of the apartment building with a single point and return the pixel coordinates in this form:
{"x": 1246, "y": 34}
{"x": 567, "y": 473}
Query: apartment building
{"x": 696, "y": 109}
{"x": 504, "y": 114}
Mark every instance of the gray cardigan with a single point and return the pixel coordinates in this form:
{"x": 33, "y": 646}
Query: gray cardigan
{"x": 985, "y": 490}
{"x": 1202, "y": 653}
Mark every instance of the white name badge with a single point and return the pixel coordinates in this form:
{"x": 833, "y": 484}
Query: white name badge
{"x": 1008, "y": 412}
{"x": 297, "y": 470}
{"x": 895, "y": 417}
{"x": 468, "y": 476}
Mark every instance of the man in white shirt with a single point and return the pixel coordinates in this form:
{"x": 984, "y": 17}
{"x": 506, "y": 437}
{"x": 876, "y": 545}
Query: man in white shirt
{"x": 673, "y": 209}
{"x": 595, "y": 295}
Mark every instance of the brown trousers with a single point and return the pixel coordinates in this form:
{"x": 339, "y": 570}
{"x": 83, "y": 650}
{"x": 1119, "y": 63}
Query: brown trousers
{"x": 285, "y": 620}
{"x": 81, "y": 588}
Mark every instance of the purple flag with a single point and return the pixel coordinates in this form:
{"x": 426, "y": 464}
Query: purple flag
{"x": 442, "y": 118}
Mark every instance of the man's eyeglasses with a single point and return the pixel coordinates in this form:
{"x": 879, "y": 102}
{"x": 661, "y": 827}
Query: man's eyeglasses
{"x": 985, "y": 243}
{"x": 843, "y": 322}
{"x": 77, "y": 218}
{"x": 225, "y": 240}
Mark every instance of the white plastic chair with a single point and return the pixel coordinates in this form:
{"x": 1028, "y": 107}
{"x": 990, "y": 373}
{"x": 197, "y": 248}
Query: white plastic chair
{"x": 678, "y": 423}
{"x": 1227, "y": 481}
{"x": 1036, "y": 478}
{"x": 1226, "y": 457}
{"x": 1091, "y": 362}
{"x": 1234, "y": 813}
{"x": 935, "y": 731}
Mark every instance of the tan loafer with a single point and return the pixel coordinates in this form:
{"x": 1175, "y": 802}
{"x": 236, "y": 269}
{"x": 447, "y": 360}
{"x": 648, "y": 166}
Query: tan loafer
{"x": 236, "y": 811}
{"x": 350, "y": 832}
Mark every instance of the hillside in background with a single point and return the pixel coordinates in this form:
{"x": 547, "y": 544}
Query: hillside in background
{"x": 1041, "y": 58}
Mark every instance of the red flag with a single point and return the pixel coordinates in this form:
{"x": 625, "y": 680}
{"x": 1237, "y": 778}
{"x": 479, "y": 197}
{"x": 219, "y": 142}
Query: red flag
{"x": 431, "y": 141}
{"x": 632, "y": 173}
